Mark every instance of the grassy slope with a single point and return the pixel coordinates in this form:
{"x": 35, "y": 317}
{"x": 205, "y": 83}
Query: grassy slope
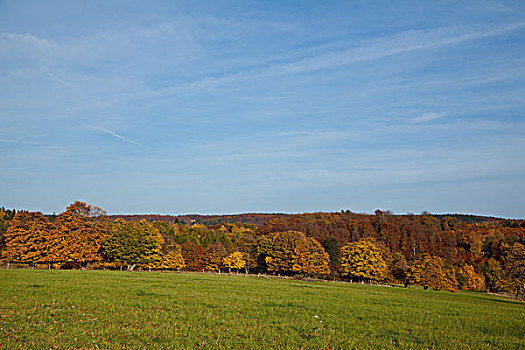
{"x": 108, "y": 309}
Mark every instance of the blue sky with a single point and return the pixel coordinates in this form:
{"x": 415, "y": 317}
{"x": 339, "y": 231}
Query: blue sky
{"x": 238, "y": 106}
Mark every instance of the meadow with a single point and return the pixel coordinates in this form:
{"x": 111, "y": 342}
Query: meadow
{"x": 41, "y": 309}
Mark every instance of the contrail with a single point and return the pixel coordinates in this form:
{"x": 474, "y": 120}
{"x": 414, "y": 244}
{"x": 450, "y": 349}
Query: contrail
{"x": 112, "y": 133}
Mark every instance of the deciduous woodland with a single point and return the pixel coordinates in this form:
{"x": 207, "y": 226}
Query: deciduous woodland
{"x": 436, "y": 252}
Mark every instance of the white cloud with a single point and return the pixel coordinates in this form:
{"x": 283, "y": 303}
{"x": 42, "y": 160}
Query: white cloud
{"x": 404, "y": 42}
{"x": 61, "y": 80}
{"x": 429, "y": 116}
{"x": 26, "y": 38}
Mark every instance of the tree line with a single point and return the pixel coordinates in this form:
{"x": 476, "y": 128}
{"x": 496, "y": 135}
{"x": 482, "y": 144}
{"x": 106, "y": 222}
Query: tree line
{"x": 434, "y": 252}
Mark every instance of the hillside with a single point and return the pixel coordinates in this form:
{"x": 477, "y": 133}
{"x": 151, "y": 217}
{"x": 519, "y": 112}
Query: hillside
{"x": 261, "y": 219}
{"x": 121, "y": 310}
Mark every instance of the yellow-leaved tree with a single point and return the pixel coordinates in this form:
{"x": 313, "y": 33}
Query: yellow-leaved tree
{"x": 363, "y": 261}
{"x": 430, "y": 272}
{"x": 473, "y": 281}
{"x": 234, "y": 261}
{"x": 172, "y": 259}
{"x": 310, "y": 258}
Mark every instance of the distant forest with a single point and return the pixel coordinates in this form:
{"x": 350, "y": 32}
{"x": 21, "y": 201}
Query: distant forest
{"x": 262, "y": 219}
{"x": 447, "y": 252}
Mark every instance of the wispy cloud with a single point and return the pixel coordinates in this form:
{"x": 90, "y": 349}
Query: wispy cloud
{"x": 114, "y": 134}
{"x": 25, "y": 38}
{"x": 428, "y": 116}
{"x": 20, "y": 142}
{"x": 60, "y": 80}
{"x": 404, "y": 42}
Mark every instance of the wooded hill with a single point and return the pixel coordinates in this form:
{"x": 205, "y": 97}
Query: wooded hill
{"x": 257, "y": 219}
{"x": 435, "y": 251}
{"x": 261, "y": 219}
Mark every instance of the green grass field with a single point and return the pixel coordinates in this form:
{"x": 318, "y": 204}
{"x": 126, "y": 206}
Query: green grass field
{"x": 42, "y": 309}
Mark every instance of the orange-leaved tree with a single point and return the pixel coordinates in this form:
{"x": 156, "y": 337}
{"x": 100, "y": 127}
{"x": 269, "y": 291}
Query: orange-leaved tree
{"x": 26, "y": 238}
{"x": 78, "y": 236}
{"x": 192, "y": 253}
{"x": 473, "y": 281}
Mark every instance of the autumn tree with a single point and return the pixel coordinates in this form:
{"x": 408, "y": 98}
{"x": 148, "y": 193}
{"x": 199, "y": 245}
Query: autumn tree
{"x": 246, "y": 243}
{"x": 78, "y": 236}
{"x": 471, "y": 279}
{"x": 363, "y": 260}
{"x": 6, "y": 216}
{"x": 310, "y": 258}
{"x": 278, "y": 251}
{"x": 192, "y": 254}
{"x": 430, "y": 272}
{"x": 234, "y": 261}
{"x": 26, "y": 238}
{"x": 171, "y": 259}
{"x": 494, "y": 275}
{"x": 399, "y": 267}
{"x": 134, "y": 243}
{"x": 213, "y": 257}
{"x": 515, "y": 268}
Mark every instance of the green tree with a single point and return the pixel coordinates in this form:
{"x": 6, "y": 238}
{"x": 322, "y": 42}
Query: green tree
{"x": 363, "y": 260}
{"x": 134, "y": 243}
{"x": 331, "y": 246}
